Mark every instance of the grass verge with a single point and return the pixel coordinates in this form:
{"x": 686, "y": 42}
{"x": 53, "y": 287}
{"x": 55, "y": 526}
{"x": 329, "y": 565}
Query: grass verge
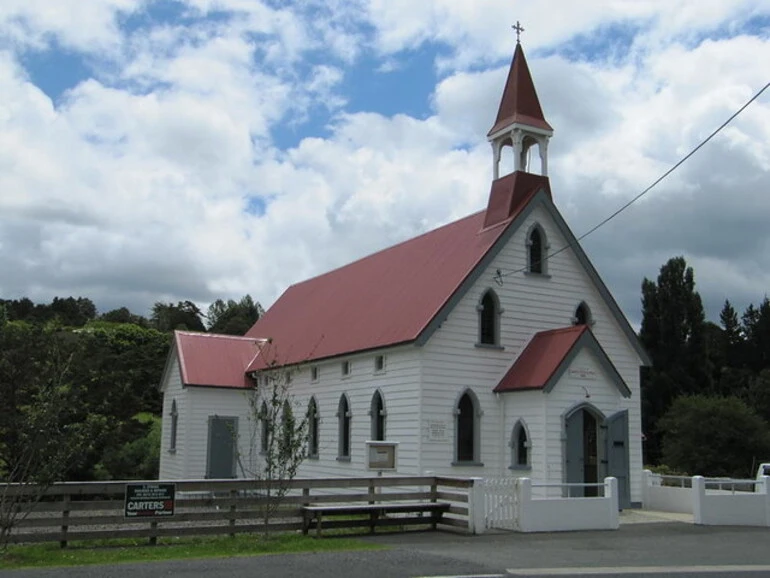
{"x": 126, "y": 550}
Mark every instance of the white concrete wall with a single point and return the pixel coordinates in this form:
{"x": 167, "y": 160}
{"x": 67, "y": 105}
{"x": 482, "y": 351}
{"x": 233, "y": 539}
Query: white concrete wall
{"x": 665, "y": 498}
{"x": 738, "y": 509}
{"x": 530, "y": 303}
{"x": 566, "y": 514}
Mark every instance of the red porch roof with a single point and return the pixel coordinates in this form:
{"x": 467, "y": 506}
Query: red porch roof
{"x": 208, "y": 359}
{"x": 541, "y": 359}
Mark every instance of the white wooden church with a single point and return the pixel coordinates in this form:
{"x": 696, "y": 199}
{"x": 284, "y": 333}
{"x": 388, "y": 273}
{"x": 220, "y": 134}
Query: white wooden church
{"x": 478, "y": 347}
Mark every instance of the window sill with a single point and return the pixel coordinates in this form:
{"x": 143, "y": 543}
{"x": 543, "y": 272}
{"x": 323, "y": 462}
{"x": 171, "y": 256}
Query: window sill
{"x": 343, "y": 459}
{"x": 537, "y": 275}
{"x": 520, "y": 468}
{"x": 468, "y": 464}
{"x": 489, "y": 346}
{"x": 172, "y": 450}
{"x": 312, "y": 457}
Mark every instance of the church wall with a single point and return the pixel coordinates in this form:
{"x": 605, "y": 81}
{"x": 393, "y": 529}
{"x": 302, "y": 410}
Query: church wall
{"x": 215, "y": 401}
{"x": 530, "y": 303}
{"x": 172, "y": 465}
{"x": 399, "y": 387}
{"x": 529, "y": 407}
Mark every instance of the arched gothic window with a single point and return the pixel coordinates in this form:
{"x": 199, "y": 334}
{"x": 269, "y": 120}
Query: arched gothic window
{"x": 174, "y": 425}
{"x": 520, "y": 447}
{"x": 582, "y": 315}
{"x": 378, "y": 417}
{"x": 467, "y": 430}
{"x": 343, "y": 418}
{"x": 489, "y": 319}
{"x": 537, "y": 251}
{"x": 312, "y": 429}
{"x": 264, "y": 420}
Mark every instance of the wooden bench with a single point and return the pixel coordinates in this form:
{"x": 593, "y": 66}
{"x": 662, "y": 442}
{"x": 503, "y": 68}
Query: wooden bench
{"x": 316, "y": 514}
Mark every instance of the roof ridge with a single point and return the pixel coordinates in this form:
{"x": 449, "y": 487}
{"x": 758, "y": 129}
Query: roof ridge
{"x": 216, "y": 335}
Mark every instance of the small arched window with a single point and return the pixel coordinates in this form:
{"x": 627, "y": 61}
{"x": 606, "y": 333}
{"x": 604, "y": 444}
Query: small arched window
{"x": 378, "y": 417}
{"x": 312, "y": 429}
{"x": 582, "y": 315}
{"x": 467, "y": 430}
{"x": 343, "y": 418}
{"x": 520, "y": 447}
{"x": 489, "y": 315}
{"x": 264, "y": 419}
{"x": 536, "y": 255}
{"x": 174, "y": 425}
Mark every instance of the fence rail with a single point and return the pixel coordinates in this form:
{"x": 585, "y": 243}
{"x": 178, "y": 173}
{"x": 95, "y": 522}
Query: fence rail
{"x": 71, "y": 511}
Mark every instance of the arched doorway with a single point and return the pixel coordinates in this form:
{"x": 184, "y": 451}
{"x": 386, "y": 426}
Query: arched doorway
{"x": 582, "y": 458}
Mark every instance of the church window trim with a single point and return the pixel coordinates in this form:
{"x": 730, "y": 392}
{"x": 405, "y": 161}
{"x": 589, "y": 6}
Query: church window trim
{"x": 378, "y": 415}
{"x": 313, "y": 427}
{"x": 537, "y": 251}
{"x": 467, "y": 438}
{"x": 174, "y": 427}
{"x": 521, "y": 447}
{"x": 583, "y": 315}
{"x": 264, "y": 422}
{"x": 490, "y": 314}
{"x": 344, "y": 419}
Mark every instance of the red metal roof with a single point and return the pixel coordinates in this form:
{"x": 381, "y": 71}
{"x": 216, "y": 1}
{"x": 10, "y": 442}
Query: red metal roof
{"x": 541, "y": 359}
{"x": 214, "y": 360}
{"x": 519, "y": 103}
{"x": 389, "y": 297}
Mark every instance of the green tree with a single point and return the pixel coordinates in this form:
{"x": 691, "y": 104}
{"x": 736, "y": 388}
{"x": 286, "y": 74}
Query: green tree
{"x": 184, "y": 315}
{"x": 756, "y": 328}
{"x": 44, "y": 428}
{"x": 713, "y": 436}
{"x": 233, "y": 318}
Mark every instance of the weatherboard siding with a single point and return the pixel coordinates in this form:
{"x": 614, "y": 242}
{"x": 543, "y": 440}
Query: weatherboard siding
{"x": 398, "y": 385}
{"x": 172, "y": 464}
{"x": 530, "y": 304}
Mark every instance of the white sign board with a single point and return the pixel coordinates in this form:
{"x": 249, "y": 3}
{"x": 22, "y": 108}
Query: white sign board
{"x": 381, "y": 455}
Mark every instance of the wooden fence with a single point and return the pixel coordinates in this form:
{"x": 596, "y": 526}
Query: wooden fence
{"x": 72, "y": 511}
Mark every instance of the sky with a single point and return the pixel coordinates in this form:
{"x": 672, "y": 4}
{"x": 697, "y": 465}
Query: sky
{"x": 165, "y": 150}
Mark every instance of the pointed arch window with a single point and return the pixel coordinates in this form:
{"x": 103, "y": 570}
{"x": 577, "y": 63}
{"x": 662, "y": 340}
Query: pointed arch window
{"x": 378, "y": 417}
{"x": 582, "y": 315}
{"x": 467, "y": 430}
{"x": 520, "y": 447}
{"x": 536, "y": 255}
{"x": 312, "y": 429}
{"x": 343, "y": 418}
{"x": 489, "y": 319}
{"x": 264, "y": 420}
{"x": 174, "y": 425}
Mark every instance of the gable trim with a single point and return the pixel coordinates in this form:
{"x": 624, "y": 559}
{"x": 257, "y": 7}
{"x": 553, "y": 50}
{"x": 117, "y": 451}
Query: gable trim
{"x": 589, "y": 342}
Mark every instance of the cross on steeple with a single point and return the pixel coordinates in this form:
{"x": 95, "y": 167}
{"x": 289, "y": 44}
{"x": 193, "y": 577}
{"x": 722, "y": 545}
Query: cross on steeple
{"x": 519, "y": 29}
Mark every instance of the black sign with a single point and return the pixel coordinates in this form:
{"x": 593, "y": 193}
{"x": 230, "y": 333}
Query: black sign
{"x": 149, "y": 500}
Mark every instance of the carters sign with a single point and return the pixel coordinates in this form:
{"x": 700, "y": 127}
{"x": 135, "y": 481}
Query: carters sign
{"x": 149, "y": 500}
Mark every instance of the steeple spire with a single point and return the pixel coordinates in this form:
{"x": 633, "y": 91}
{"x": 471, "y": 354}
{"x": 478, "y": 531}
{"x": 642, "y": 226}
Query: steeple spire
{"x": 520, "y": 121}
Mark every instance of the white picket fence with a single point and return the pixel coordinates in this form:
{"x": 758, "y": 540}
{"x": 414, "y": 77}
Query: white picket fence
{"x": 711, "y": 501}
{"x": 519, "y": 504}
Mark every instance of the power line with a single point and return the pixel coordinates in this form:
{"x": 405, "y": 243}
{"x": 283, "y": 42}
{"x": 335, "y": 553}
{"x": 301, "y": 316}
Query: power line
{"x": 500, "y": 275}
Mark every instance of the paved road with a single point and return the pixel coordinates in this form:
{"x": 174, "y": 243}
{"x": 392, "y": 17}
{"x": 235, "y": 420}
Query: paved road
{"x": 673, "y": 549}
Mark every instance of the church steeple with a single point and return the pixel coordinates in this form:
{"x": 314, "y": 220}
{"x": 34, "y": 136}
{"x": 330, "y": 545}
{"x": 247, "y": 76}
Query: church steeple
{"x": 520, "y": 121}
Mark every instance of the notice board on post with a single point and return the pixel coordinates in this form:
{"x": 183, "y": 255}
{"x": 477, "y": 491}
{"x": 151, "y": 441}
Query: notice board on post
{"x": 381, "y": 455}
{"x": 149, "y": 500}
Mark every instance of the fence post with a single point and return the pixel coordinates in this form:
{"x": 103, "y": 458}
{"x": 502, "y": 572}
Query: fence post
{"x": 698, "y": 498}
{"x": 611, "y": 493}
{"x": 233, "y": 516}
{"x": 476, "y": 521}
{"x": 766, "y": 491}
{"x": 646, "y": 483}
{"x": 523, "y": 491}
{"x": 65, "y": 514}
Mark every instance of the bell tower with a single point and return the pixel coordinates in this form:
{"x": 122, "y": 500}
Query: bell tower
{"x": 520, "y": 123}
